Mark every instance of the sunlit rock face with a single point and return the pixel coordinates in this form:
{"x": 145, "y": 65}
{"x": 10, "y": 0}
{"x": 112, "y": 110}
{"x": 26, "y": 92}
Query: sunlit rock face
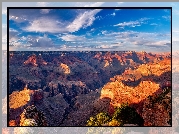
{"x": 135, "y": 86}
{"x": 31, "y": 60}
{"x": 19, "y": 100}
{"x": 65, "y": 68}
{"x": 35, "y": 60}
{"x": 119, "y": 93}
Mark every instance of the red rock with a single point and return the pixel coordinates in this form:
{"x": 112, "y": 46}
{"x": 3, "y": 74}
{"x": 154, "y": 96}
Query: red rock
{"x": 12, "y": 123}
{"x": 38, "y": 95}
{"x": 31, "y": 60}
{"x": 111, "y": 110}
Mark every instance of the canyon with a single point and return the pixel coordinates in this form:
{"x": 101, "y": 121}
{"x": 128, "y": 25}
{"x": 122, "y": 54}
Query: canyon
{"x": 70, "y": 87}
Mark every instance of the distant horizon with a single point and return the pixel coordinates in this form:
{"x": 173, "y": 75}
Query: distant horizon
{"x": 96, "y": 51}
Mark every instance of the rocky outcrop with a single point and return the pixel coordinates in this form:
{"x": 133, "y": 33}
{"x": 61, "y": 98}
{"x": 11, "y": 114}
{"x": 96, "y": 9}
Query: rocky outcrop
{"x": 35, "y": 60}
{"x": 65, "y": 68}
{"x": 18, "y": 101}
{"x": 69, "y": 89}
{"x": 32, "y": 60}
{"x": 134, "y": 86}
{"x": 119, "y": 93}
{"x": 32, "y": 117}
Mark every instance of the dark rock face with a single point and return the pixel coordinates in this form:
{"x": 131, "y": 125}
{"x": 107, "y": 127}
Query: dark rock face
{"x": 37, "y": 117}
{"x": 54, "y": 109}
{"x": 16, "y": 84}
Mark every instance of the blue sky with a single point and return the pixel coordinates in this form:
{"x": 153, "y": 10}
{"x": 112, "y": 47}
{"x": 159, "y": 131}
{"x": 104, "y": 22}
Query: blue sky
{"x": 85, "y": 29}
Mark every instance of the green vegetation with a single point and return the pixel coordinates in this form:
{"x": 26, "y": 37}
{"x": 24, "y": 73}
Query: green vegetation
{"x": 122, "y": 115}
{"x": 114, "y": 122}
{"x": 30, "y": 122}
{"x": 98, "y": 120}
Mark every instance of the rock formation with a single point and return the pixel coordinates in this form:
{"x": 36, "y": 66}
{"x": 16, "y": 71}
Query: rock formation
{"x": 134, "y": 89}
{"x": 32, "y": 117}
{"x": 69, "y": 87}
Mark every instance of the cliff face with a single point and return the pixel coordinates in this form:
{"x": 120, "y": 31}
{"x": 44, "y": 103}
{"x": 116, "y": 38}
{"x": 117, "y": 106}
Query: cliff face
{"x": 134, "y": 87}
{"x": 35, "y": 60}
{"x": 19, "y": 100}
{"x": 119, "y": 93}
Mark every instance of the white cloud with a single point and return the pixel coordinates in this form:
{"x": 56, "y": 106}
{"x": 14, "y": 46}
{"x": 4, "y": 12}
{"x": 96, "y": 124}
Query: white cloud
{"x": 89, "y": 4}
{"x": 104, "y": 46}
{"x": 133, "y": 39}
{"x": 40, "y": 42}
{"x": 96, "y": 4}
{"x": 168, "y": 18}
{"x": 153, "y": 24}
{"x": 104, "y": 32}
{"x": 45, "y": 24}
{"x": 159, "y": 43}
{"x": 113, "y": 14}
{"x": 15, "y": 44}
{"x": 17, "y": 19}
{"x": 132, "y": 23}
{"x": 23, "y": 38}
{"x": 12, "y": 33}
{"x": 45, "y": 11}
{"x": 93, "y": 29}
{"x": 70, "y": 37}
{"x": 119, "y": 3}
{"x": 48, "y": 24}
{"x": 42, "y": 4}
{"x": 167, "y": 10}
{"x": 83, "y": 20}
